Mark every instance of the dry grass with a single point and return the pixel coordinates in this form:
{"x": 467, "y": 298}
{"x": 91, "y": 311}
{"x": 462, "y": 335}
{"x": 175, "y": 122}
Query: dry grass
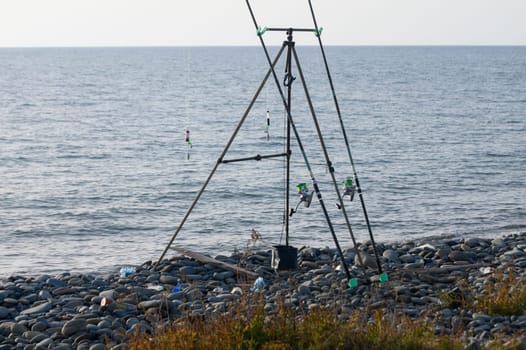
{"x": 249, "y": 327}
{"x": 246, "y": 325}
{"x": 505, "y": 295}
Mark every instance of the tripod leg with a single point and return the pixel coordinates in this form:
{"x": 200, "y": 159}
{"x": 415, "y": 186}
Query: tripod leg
{"x": 225, "y": 150}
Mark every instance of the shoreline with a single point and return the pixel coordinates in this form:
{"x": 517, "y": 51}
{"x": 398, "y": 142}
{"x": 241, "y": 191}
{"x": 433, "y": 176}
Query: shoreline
{"x": 427, "y": 278}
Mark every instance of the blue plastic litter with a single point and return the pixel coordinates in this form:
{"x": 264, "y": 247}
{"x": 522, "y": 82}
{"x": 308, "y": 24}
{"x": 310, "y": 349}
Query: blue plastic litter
{"x": 177, "y": 288}
{"x": 259, "y": 284}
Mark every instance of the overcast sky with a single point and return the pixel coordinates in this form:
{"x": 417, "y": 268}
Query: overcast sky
{"x": 227, "y": 22}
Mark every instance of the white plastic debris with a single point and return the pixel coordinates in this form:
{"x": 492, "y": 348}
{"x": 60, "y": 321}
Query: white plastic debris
{"x": 236, "y": 290}
{"x": 125, "y": 271}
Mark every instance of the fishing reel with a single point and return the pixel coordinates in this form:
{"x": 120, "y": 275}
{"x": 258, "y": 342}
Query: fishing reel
{"x": 348, "y": 191}
{"x": 305, "y": 197}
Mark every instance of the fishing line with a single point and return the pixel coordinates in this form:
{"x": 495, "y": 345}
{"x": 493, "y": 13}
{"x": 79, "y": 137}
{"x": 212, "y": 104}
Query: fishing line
{"x": 187, "y": 138}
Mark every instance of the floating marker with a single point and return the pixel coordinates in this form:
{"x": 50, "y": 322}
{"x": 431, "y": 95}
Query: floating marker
{"x": 187, "y": 137}
{"x": 188, "y": 142}
{"x": 267, "y": 127}
{"x": 353, "y": 283}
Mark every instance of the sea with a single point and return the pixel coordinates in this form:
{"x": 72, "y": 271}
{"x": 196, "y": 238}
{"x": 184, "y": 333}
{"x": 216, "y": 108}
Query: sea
{"x": 96, "y": 173}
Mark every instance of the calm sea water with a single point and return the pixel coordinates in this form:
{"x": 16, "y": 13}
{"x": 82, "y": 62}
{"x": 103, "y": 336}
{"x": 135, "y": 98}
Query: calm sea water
{"x": 94, "y": 171}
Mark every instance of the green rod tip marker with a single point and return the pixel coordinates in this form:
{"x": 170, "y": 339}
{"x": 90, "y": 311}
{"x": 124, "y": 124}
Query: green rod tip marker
{"x": 353, "y": 283}
{"x": 384, "y": 277}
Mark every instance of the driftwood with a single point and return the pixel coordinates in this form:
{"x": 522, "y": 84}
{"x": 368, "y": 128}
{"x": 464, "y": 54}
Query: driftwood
{"x": 208, "y": 260}
{"x": 444, "y": 268}
{"x": 436, "y": 274}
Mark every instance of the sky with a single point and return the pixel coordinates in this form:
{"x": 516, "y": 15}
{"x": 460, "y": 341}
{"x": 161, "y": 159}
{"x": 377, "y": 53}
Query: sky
{"x": 43, "y": 23}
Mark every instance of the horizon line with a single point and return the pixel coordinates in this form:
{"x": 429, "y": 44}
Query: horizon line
{"x": 251, "y": 45}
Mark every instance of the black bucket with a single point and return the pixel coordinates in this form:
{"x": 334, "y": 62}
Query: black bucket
{"x": 284, "y": 257}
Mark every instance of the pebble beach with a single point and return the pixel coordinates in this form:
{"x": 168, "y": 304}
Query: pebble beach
{"x": 428, "y": 279}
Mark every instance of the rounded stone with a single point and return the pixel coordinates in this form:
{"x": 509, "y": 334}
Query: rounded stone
{"x": 73, "y": 326}
{"x": 391, "y": 255}
{"x": 44, "y": 344}
{"x": 169, "y": 279}
{"x": 4, "y": 312}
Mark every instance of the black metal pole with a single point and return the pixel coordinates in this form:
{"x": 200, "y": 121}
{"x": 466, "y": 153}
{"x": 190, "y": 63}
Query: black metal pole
{"x": 288, "y": 84}
{"x": 219, "y": 161}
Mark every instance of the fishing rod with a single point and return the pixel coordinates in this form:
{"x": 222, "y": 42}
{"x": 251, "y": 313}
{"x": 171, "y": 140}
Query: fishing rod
{"x": 318, "y": 31}
{"x": 324, "y": 148}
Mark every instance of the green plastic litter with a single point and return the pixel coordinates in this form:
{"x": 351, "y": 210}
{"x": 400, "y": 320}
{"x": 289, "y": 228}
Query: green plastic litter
{"x": 260, "y": 31}
{"x": 318, "y": 31}
{"x": 353, "y": 283}
{"x": 384, "y": 277}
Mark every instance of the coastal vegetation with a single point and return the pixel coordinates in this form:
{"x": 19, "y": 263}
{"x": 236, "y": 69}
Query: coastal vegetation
{"x": 247, "y": 325}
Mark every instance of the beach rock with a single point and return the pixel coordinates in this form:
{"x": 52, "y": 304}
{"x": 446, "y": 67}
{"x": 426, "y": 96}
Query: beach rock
{"x": 408, "y": 258}
{"x": 110, "y": 293}
{"x": 18, "y": 328}
{"x": 40, "y": 326}
{"x": 55, "y": 283}
{"x": 98, "y": 346}
{"x": 221, "y": 276}
{"x": 443, "y": 252}
{"x": 39, "y": 309}
{"x": 149, "y": 304}
{"x": 4, "y": 312}
{"x": 45, "y": 344}
{"x": 391, "y": 255}
{"x": 63, "y": 291}
{"x": 456, "y": 256}
{"x": 62, "y": 346}
{"x": 73, "y": 326}
{"x": 44, "y": 295}
{"x": 368, "y": 260}
{"x": 169, "y": 279}
{"x": 498, "y": 243}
